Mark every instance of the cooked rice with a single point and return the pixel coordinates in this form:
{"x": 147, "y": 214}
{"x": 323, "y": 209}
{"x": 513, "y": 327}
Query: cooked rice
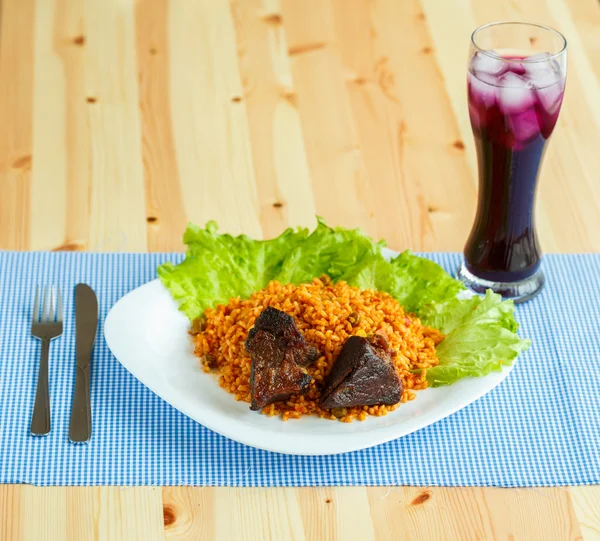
{"x": 327, "y": 315}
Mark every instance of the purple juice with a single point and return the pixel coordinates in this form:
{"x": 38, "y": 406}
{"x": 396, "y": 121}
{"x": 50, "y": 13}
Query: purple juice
{"x": 513, "y": 106}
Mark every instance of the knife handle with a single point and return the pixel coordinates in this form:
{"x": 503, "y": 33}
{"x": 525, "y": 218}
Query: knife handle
{"x": 80, "y": 428}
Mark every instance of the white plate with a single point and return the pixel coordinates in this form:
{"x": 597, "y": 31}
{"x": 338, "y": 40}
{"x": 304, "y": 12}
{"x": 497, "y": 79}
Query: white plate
{"x": 148, "y": 335}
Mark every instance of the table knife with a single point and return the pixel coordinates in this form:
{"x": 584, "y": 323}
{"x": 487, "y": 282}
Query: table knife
{"x": 86, "y": 323}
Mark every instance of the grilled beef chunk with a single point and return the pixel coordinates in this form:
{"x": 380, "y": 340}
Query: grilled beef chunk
{"x": 279, "y": 356}
{"x": 289, "y": 338}
{"x": 363, "y": 375}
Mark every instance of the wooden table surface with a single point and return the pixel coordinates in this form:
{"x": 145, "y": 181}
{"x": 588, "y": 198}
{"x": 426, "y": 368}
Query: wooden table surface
{"x": 120, "y": 120}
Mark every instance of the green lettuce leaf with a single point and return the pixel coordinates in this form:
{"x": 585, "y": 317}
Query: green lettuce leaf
{"x": 218, "y": 267}
{"x": 480, "y": 332}
{"x": 414, "y": 281}
{"x": 480, "y": 337}
{"x": 328, "y": 251}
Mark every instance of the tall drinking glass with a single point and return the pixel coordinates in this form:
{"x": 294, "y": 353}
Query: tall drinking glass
{"x": 516, "y": 80}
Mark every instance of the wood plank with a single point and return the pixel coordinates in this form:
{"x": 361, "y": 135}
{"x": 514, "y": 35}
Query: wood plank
{"x": 189, "y": 513}
{"x": 427, "y": 513}
{"x": 16, "y": 98}
{"x": 210, "y": 128}
{"x": 70, "y": 99}
{"x": 370, "y": 128}
{"x": 391, "y": 74}
{"x": 48, "y": 198}
{"x": 284, "y": 189}
{"x": 165, "y": 213}
{"x": 117, "y": 203}
{"x": 43, "y": 512}
{"x": 572, "y": 152}
{"x": 586, "y": 18}
{"x": 586, "y": 502}
{"x": 80, "y": 513}
{"x": 338, "y": 513}
{"x": 10, "y": 511}
{"x": 111, "y": 513}
{"x": 473, "y": 513}
{"x": 339, "y": 178}
{"x": 540, "y": 513}
{"x": 450, "y": 44}
{"x": 124, "y": 513}
{"x": 305, "y": 513}
{"x": 254, "y": 514}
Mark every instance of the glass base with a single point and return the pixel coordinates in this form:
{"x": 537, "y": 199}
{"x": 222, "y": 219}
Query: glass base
{"x": 517, "y": 291}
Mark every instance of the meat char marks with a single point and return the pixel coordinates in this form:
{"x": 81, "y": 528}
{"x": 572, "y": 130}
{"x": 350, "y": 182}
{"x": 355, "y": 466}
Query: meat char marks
{"x": 280, "y": 356}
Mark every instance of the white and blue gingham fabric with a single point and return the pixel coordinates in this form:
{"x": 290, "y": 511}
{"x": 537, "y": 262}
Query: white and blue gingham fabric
{"x": 541, "y": 427}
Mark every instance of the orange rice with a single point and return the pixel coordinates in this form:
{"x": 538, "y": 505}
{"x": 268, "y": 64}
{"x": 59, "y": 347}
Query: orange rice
{"x": 327, "y": 315}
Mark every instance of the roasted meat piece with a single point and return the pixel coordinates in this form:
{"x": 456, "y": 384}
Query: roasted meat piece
{"x": 289, "y": 338}
{"x": 363, "y": 375}
{"x": 279, "y": 356}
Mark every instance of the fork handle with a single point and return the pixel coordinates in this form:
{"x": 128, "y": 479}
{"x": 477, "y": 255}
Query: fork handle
{"x": 40, "y": 421}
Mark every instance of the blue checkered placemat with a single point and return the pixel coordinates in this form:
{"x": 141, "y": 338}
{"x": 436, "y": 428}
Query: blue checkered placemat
{"x": 540, "y": 427}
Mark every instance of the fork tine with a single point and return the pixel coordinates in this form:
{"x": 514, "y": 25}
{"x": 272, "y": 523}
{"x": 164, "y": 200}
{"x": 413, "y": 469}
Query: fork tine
{"x": 59, "y": 309}
{"x": 44, "y": 314}
{"x": 51, "y": 305}
{"x": 35, "y": 316}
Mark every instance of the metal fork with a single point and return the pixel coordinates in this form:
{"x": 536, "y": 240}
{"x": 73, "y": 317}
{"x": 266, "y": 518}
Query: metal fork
{"x": 46, "y": 324}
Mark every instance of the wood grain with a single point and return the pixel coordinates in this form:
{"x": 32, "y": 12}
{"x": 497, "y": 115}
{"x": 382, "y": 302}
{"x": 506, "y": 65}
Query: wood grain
{"x": 16, "y": 119}
{"x": 210, "y": 129}
{"x": 124, "y": 119}
{"x": 586, "y": 502}
{"x": 165, "y": 214}
{"x": 336, "y": 513}
{"x": 116, "y": 199}
{"x": 67, "y": 77}
{"x": 48, "y": 197}
{"x": 285, "y": 195}
{"x": 468, "y": 513}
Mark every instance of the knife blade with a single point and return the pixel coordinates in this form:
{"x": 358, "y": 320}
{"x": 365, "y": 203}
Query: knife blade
{"x": 86, "y": 324}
